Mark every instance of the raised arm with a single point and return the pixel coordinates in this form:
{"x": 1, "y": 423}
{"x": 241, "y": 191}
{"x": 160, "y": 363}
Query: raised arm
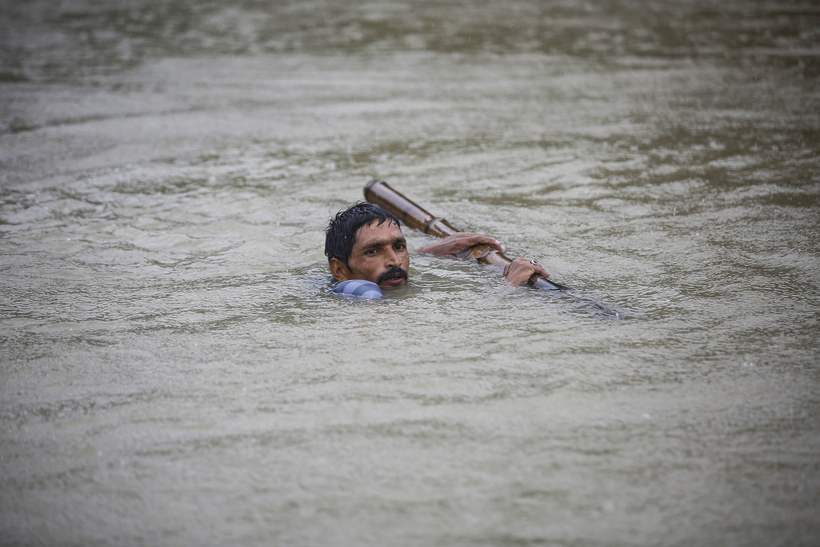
{"x": 452, "y": 245}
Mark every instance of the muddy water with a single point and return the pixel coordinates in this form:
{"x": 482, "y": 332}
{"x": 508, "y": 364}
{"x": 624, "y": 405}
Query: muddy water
{"x": 174, "y": 371}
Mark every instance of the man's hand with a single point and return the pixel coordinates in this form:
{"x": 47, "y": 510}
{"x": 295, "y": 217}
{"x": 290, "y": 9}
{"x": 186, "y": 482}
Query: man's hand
{"x": 518, "y": 272}
{"x": 454, "y": 244}
{"x": 521, "y": 270}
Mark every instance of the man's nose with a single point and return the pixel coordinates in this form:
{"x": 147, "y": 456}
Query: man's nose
{"x": 392, "y": 258}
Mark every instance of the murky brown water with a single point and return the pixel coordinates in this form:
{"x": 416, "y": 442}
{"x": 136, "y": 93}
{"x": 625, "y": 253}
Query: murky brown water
{"x": 175, "y": 373}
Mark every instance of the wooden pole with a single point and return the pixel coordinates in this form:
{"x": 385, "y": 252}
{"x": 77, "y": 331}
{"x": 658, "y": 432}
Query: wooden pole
{"x": 411, "y": 214}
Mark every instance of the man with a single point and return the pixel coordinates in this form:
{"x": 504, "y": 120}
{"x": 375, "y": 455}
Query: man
{"x": 368, "y": 252}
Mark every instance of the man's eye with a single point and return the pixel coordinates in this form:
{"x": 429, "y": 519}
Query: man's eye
{"x": 399, "y": 246}
{"x": 370, "y": 252}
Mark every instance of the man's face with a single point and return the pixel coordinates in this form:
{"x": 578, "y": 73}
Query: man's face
{"x": 379, "y": 255}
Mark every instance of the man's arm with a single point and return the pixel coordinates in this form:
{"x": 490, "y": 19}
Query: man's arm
{"x": 452, "y": 245}
{"x": 518, "y": 272}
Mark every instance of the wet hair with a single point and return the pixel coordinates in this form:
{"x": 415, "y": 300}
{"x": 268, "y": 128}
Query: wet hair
{"x": 340, "y": 235}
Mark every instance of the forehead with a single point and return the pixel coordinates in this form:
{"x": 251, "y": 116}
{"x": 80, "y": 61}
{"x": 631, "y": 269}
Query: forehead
{"x": 387, "y": 231}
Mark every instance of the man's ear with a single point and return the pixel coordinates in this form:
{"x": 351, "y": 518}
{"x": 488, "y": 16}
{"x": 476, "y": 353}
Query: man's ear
{"x": 339, "y": 271}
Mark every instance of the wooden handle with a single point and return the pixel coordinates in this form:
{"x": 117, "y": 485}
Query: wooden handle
{"x": 379, "y": 193}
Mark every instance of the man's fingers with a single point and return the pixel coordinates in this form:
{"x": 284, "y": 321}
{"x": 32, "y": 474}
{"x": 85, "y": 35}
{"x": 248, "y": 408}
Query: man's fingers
{"x": 495, "y": 244}
{"x": 472, "y": 238}
{"x": 541, "y": 271}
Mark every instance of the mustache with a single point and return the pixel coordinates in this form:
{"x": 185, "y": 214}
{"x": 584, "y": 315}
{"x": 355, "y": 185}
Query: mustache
{"x": 392, "y": 272}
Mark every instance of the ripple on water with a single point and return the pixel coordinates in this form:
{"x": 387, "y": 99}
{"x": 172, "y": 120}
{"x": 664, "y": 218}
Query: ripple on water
{"x": 175, "y": 367}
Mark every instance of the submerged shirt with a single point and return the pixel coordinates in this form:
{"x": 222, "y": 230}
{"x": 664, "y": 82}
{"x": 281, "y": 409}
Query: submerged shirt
{"x": 358, "y": 287}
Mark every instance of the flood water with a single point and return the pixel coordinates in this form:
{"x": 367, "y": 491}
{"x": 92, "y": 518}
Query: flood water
{"x": 174, "y": 371}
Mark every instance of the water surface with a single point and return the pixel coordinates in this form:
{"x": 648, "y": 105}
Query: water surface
{"x": 175, "y": 372}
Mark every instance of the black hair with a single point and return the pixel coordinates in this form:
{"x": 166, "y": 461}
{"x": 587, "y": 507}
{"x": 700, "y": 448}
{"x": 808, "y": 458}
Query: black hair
{"x": 340, "y": 235}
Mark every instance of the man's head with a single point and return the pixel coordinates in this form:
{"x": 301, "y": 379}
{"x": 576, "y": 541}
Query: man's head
{"x": 365, "y": 242}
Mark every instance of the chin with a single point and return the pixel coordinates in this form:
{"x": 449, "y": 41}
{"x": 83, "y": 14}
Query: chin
{"x": 393, "y": 284}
